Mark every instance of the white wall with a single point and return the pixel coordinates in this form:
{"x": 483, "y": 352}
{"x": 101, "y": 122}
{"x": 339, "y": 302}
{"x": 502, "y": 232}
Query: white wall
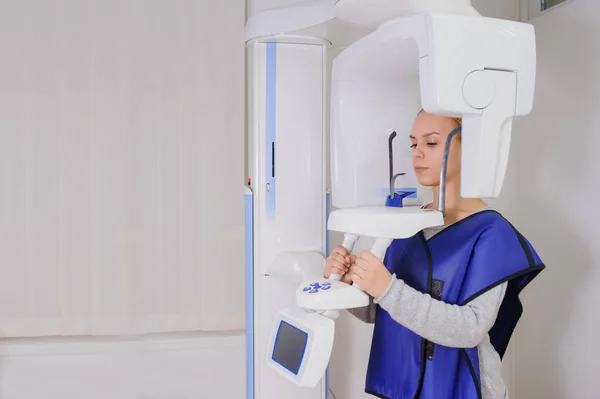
{"x": 188, "y": 366}
{"x": 555, "y": 170}
{"x": 353, "y": 338}
{"x": 506, "y": 9}
{"x": 121, "y": 183}
{"x": 122, "y": 140}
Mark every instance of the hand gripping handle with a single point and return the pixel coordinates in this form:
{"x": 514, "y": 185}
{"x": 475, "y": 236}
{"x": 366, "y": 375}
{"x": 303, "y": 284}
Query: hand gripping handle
{"x": 348, "y": 244}
{"x": 378, "y": 249}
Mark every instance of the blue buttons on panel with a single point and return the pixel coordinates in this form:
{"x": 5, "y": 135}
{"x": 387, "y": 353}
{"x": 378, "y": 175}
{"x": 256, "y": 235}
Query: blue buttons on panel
{"x": 316, "y": 287}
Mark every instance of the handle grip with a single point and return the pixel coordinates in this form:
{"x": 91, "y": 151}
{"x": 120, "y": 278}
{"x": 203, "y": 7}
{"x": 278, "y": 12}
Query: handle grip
{"x": 348, "y": 244}
{"x": 378, "y": 249}
{"x": 380, "y": 246}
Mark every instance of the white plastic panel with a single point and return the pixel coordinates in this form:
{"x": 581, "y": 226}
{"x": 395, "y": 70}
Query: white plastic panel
{"x": 459, "y": 45}
{"x": 286, "y": 111}
{"x": 380, "y": 82}
{"x": 289, "y": 18}
{"x": 375, "y": 91}
{"x": 300, "y": 346}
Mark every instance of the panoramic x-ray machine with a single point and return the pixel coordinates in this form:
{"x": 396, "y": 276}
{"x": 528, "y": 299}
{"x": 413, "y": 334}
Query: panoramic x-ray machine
{"x": 390, "y": 58}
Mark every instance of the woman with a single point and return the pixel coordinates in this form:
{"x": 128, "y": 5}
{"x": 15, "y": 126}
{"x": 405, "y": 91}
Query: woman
{"x": 444, "y": 302}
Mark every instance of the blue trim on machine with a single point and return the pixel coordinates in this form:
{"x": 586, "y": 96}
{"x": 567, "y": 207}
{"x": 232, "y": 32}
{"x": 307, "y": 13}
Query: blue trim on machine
{"x": 249, "y": 260}
{"x": 412, "y": 190}
{"x": 327, "y": 210}
{"x": 385, "y": 192}
{"x": 270, "y": 128}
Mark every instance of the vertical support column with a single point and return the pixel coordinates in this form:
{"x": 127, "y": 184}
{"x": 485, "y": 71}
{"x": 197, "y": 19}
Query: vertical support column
{"x": 249, "y": 288}
{"x": 286, "y": 153}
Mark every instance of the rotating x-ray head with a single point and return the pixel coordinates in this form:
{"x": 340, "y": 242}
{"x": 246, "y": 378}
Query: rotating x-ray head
{"x": 479, "y": 69}
{"x": 441, "y": 56}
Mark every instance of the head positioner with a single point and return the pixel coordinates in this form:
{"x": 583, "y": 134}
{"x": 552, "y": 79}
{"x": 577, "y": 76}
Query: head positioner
{"x": 480, "y": 69}
{"x": 459, "y": 65}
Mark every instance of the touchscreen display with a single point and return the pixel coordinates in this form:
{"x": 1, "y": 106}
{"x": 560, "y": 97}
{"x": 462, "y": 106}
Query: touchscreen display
{"x": 290, "y": 344}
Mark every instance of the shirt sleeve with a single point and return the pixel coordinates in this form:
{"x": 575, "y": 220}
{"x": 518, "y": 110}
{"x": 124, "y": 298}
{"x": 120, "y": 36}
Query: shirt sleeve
{"x": 441, "y": 323}
{"x": 366, "y": 314}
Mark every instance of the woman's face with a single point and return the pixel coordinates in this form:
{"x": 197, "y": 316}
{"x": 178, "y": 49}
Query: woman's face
{"x": 428, "y": 138}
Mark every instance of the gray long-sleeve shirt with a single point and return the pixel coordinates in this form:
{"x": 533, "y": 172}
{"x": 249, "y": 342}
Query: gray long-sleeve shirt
{"x": 445, "y": 324}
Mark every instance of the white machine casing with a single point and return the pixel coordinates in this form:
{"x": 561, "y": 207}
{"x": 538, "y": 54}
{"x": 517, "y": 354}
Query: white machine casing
{"x": 286, "y": 203}
{"x": 401, "y": 56}
{"x": 480, "y": 69}
{"x": 311, "y": 355}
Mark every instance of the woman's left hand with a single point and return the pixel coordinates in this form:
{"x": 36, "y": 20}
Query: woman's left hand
{"x": 370, "y": 274}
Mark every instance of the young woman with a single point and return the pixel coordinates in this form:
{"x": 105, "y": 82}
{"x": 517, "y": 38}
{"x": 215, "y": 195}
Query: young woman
{"x": 444, "y": 302}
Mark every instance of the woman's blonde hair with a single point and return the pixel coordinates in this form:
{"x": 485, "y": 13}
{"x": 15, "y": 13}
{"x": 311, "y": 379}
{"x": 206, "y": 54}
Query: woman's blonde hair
{"x": 457, "y": 120}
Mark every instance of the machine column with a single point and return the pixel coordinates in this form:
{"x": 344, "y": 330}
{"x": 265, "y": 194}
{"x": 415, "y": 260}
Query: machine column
{"x": 287, "y": 170}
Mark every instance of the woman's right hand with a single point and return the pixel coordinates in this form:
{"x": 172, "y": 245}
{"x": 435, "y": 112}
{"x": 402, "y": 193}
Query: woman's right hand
{"x": 339, "y": 262}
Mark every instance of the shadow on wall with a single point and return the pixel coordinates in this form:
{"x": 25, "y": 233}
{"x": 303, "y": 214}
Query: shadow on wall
{"x": 556, "y": 174}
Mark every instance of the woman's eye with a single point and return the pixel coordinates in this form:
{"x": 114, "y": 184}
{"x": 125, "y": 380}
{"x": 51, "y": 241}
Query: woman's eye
{"x": 413, "y": 146}
{"x": 431, "y": 144}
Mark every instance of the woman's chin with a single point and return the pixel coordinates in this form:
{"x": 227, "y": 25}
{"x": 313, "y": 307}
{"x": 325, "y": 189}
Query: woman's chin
{"x": 427, "y": 182}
